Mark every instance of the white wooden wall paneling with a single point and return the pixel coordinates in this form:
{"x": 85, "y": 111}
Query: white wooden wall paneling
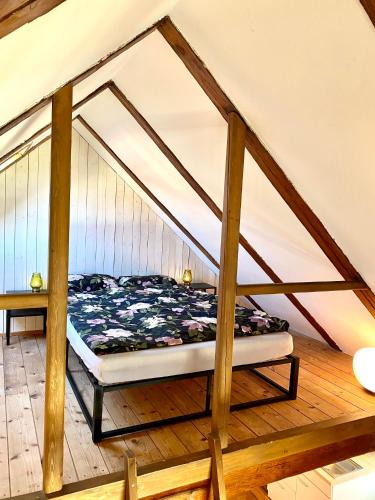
{"x": 102, "y": 185}
{"x": 32, "y": 219}
{"x": 73, "y": 203}
{"x": 92, "y": 211}
{"x": 119, "y": 226}
{"x": 10, "y": 226}
{"x": 110, "y": 217}
{"x": 144, "y": 233}
{"x": 20, "y": 233}
{"x": 112, "y": 229}
{"x": 127, "y": 236}
{"x": 158, "y": 248}
{"x": 137, "y": 208}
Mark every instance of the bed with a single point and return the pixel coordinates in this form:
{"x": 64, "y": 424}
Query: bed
{"x": 146, "y": 330}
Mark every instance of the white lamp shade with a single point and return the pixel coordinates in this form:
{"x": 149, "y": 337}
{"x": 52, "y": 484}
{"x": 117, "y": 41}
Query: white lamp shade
{"x": 364, "y": 367}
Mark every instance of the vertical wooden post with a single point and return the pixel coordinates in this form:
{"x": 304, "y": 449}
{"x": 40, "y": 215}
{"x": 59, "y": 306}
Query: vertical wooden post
{"x": 131, "y": 487}
{"x": 57, "y": 288}
{"x": 228, "y": 276}
{"x": 217, "y": 487}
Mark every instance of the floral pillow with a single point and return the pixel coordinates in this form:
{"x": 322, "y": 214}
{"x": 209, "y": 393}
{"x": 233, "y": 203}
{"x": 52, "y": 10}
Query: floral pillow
{"x": 90, "y": 282}
{"x": 146, "y": 281}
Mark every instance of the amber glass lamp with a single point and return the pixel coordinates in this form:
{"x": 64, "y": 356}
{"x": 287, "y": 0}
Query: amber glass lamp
{"x": 187, "y": 277}
{"x": 36, "y": 282}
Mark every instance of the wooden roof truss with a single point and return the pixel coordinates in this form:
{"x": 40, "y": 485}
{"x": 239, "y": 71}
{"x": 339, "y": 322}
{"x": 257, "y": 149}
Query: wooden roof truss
{"x": 234, "y": 469}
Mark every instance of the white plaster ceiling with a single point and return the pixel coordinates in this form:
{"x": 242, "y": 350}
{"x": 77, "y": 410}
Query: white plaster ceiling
{"x": 302, "y": 74}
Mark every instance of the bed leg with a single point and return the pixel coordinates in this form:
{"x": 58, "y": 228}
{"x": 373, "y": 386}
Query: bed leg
{"x": 208, "y": 393}
{"x": 97, "y": 413}
{"x": 293, "y": 383}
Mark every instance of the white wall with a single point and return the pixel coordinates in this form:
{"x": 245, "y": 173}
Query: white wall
{"x": 112, "y": 229}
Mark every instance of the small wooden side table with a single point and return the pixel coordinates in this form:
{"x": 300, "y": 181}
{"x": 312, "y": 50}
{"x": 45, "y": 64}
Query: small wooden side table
{"x": 22, "y": 313}
{"x": 203, "y": 286}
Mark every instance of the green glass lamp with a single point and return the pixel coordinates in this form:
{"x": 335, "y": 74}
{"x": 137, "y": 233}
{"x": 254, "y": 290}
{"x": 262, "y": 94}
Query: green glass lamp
{"x": 36, "y": 282}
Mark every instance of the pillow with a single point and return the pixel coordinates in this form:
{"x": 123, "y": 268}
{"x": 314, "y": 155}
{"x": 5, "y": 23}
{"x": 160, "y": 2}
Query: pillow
{"x": 146, "y": 281}
{"x": 90, "y": 282}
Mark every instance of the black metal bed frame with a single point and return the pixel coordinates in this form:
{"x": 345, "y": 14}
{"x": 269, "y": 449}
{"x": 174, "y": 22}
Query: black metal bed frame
{"x": 94, "y": 421}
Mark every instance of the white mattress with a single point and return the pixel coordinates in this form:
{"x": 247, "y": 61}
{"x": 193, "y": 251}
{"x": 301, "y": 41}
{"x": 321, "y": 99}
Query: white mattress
{"x": 176, "y": 360}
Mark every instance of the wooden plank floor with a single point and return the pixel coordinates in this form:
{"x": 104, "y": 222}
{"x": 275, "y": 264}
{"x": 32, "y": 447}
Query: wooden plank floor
{"x": 327, "y": 389}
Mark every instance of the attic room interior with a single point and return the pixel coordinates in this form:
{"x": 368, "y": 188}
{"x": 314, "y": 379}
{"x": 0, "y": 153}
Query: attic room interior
{"x": 187, "y": 249}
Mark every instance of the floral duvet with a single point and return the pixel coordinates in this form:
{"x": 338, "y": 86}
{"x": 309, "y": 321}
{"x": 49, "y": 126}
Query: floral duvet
{"x": 116, "y": 320}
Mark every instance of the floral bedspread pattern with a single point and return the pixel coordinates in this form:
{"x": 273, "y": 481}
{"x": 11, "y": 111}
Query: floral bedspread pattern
{"x": 115, "y": 320}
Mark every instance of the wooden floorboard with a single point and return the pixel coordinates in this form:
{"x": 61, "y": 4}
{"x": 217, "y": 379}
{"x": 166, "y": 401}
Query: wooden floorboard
{"x": 327, "y": 389}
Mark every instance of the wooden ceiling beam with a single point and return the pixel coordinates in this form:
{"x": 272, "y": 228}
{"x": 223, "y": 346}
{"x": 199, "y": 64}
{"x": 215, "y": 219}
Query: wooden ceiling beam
{"x": 16, "y": 13}
{"x": 248, "y": 464}
{"x": 39, "y": 132}
{"x": 299, "y": 287}
{"x": 266, "y": 162}
{"x": 369, "y": 6}
{"x": 77, "y": 79}
{"x": 168, "y": 153}
{"x": 146, "y": 190}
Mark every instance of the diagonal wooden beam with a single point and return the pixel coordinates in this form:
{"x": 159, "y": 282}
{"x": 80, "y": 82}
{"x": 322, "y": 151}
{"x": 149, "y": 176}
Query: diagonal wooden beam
{"x": 266, "y": 162}
{"x": 369, "y": 6}
{"x": 146, "y": 190}
{"x": 77, "y": 79}
{"x": 76, "y": 106}
{"x": 154, "y": 136}
{"x": 15, "y": 14}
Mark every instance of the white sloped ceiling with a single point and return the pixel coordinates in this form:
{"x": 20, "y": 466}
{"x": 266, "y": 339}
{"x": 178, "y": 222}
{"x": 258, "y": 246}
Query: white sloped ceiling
{"x": 302, "y": 74}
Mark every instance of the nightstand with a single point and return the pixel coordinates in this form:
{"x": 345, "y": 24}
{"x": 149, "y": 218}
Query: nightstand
{"x": 22, "y": 313}
{"x": 203, "y": 286}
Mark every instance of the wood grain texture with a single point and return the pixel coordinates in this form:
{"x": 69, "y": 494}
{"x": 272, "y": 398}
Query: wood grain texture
{"x": 369, "y": 6}
{"x": 58, "y": 289}
{"x": 217, "y": 486}
{"x": 228, "y": 276}
{"x": 302, "y": 287}
{"x": 266, "y": 162}
{"x": 130, "y": 470}
{"x": 14, "y": 14}
{"x": 154, "y": 136}
{"x": 255, "y": 462}
{"x": 327, "y": 389}
{"x": 20, "y": 301}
